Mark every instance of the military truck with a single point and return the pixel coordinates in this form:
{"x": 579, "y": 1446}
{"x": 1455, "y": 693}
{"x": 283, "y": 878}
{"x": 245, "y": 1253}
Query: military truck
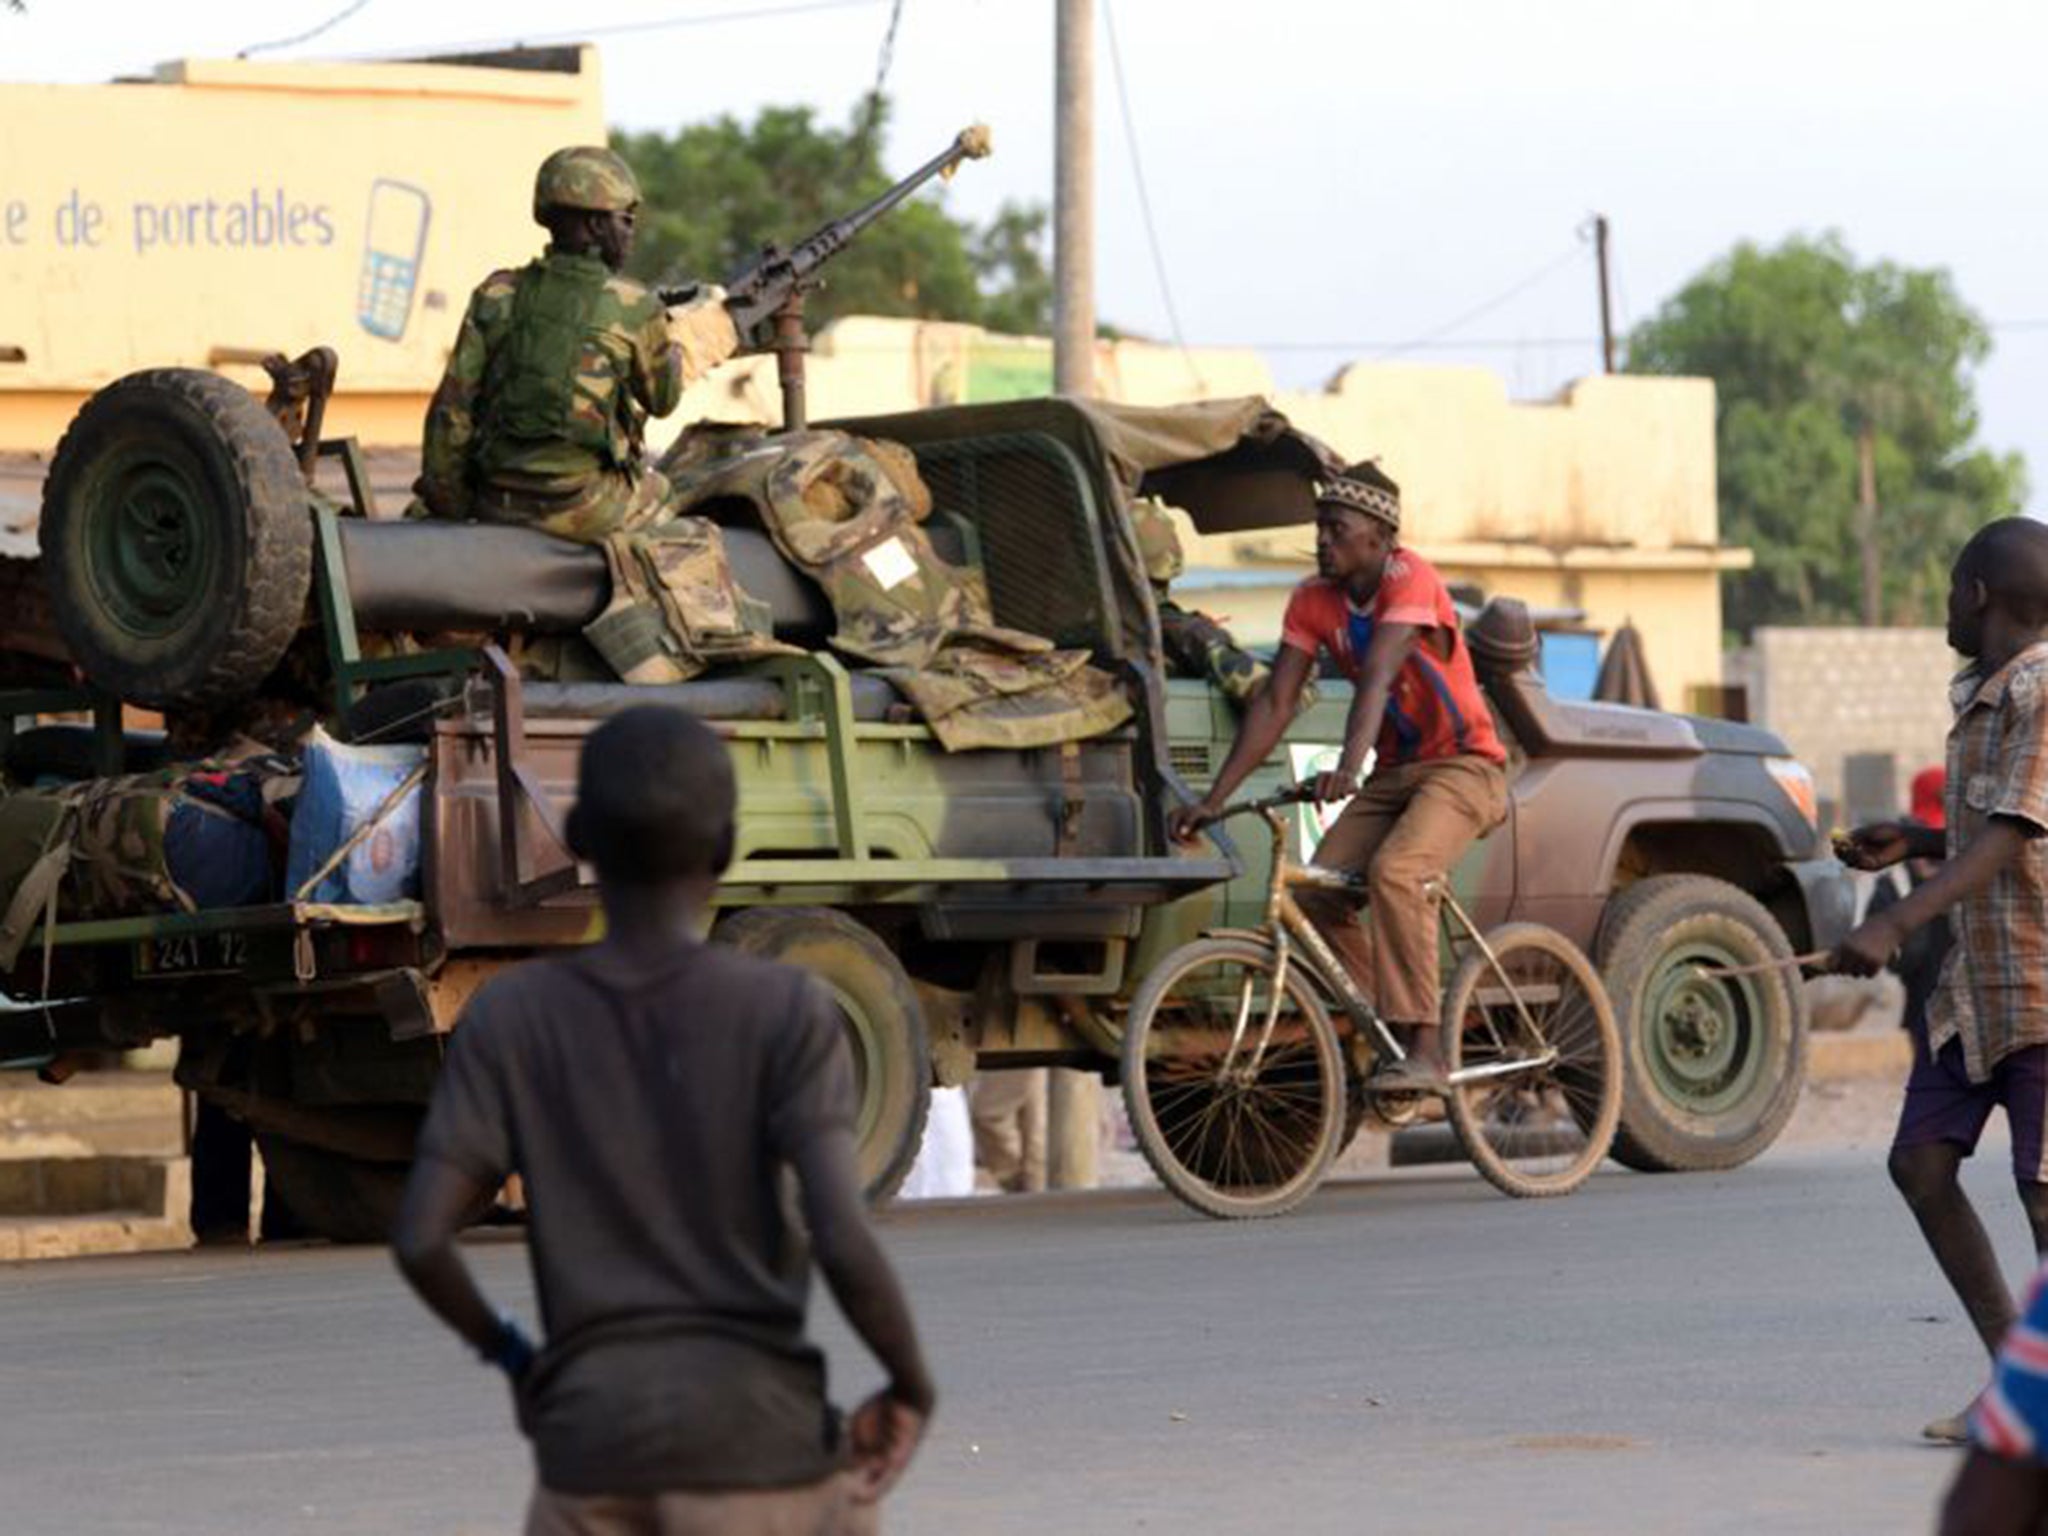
{"x": 969, "y": 911}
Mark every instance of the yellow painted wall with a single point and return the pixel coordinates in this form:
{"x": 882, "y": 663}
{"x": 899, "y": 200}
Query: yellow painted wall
{"x": 1603, "y": 499}
{"x": 245, "y": 205}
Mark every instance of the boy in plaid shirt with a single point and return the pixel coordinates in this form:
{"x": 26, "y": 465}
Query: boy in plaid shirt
{"x": 1985, "y": 1043}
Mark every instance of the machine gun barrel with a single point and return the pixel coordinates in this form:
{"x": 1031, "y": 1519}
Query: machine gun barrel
{"x": 766, "y": 283}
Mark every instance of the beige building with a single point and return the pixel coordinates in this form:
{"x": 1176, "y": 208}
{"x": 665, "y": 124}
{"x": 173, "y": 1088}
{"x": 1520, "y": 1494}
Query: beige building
{"x": 224, "y": 208}
{"x": 230, "y": 206}
{"x": 1602, "y": 500}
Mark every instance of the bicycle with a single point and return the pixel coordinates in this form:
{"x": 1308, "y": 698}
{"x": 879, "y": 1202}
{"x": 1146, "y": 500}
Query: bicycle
{"x": 1241, "y": 1091}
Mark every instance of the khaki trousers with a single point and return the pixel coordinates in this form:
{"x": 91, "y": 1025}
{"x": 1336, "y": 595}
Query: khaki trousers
{"x": 1008, "y": 1109}
{"x": 817, "y": 1509}
{"x": 1403, "y": 830}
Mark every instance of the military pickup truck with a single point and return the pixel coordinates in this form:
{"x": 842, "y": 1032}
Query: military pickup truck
{"x": 969, "y": 910}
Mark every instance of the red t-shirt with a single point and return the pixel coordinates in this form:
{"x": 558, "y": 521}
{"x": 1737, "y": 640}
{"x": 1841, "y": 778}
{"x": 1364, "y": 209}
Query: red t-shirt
{"x": 1434, "y": 708}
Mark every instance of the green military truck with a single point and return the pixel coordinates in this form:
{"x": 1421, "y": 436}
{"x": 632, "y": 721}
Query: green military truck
{"x": 969, "y": 910}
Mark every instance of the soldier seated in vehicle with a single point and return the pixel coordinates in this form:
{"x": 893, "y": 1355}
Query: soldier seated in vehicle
{"x": 1196, "y": 645}
{"x": 1438, "y": 779}
{"x": 541, "y": 415}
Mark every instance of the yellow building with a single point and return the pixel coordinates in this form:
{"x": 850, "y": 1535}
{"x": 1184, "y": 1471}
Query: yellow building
{"x": 223, "y": 209}
{"x": 226, "y": 207}
{"x": 1602, "y": 500}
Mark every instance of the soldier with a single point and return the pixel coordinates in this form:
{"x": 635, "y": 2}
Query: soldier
{"x": 1196, "y": 645}
{"x": 540, "y": 416}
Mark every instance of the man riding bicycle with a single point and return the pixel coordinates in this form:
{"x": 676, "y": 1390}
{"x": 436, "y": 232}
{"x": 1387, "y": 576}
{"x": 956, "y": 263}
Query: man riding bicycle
{"x": 1438, "y": 781}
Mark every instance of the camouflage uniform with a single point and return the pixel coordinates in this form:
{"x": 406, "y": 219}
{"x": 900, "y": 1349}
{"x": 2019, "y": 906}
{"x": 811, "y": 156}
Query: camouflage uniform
{"x": 541, "y": 415}
{"x": 1195, "y": 644}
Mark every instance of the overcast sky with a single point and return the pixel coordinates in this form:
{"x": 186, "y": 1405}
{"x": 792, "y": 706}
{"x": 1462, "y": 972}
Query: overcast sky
{"x": 1338, "y": 179}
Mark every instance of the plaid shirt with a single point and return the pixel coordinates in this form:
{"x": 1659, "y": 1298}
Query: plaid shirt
{"x": 1993, "y": 992}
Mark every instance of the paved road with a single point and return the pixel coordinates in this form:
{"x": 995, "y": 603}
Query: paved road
{"x": 1740, "y": 1353}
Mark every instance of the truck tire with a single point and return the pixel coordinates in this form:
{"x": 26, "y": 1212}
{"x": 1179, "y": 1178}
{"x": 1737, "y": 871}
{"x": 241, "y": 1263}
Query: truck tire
{"x": 177, "y": 549}
{"x": 892, "y": 1070}
{"x": 1713, "y": 1068}
{"x": 332, "y": 1195}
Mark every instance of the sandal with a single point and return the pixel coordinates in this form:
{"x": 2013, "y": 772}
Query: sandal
{"x": 1409, "y": 1076}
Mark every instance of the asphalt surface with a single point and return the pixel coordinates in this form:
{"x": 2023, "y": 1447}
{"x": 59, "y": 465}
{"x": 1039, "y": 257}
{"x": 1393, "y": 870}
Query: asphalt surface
{"x": 1750, "y": 1352}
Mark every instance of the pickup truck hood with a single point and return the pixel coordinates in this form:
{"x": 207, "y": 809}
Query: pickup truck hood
{"x": 1733, "y": 736}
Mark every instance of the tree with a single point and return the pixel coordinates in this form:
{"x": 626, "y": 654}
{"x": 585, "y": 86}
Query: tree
{"x": 1832, "y": 376}
{"x": 716, "y": 191}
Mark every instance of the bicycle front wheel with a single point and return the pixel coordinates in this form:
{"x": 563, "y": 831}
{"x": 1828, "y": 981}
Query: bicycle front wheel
{"x": 1235, "y": 1085}
{"x": 1541, "y": 1114}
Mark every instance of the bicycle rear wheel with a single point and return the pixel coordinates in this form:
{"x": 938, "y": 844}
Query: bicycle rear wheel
{"x": 1539, "y": 1129}
{"x": 1235, "y": 1087}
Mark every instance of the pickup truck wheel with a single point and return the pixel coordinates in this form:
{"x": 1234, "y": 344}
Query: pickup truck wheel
{"x": 341, "y": 1198}
{"x": 176, "y": 545}
{"x": 1713, "y": 1067}
{"x": 884, "y": 1023}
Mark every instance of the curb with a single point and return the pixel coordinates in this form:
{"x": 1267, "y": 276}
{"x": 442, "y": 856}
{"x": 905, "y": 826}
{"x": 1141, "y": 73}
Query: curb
{"x": 164, "y": 1184}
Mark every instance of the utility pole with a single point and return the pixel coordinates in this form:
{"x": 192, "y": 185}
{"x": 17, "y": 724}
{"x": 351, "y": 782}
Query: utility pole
{"x": 1073, "y": 1098}
{"x": 1073, "y": 201}
{"x": 1606, "y": 304}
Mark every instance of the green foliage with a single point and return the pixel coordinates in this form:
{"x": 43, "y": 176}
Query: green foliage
{"x": 1806, "y": 349}
{"x": 715, "y": 192}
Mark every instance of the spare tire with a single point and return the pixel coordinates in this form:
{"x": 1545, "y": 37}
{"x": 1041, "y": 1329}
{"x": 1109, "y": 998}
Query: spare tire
{"x": 177, "y": 549}
{"x": 884, "y": 1022}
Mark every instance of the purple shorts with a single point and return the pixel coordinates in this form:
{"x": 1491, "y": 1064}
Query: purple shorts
{"x": 1942, "y": 1104}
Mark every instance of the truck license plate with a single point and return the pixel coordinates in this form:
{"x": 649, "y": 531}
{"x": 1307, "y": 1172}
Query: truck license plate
{"x": 192, "y": 954}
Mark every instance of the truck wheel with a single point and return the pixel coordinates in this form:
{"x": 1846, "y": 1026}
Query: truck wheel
{"x": 892, "y": 1070}
{"x": 341, "y": 1198}
{"x": 1713, "y": 1067}
{"x": 176, "y": 545}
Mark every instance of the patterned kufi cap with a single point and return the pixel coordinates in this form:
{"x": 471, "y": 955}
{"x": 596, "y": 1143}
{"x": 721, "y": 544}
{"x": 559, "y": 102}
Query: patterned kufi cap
{"x": 1351, "y": 489}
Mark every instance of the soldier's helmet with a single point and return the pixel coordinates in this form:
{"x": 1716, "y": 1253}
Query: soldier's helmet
{"x": 1158, "y": 540}
{"x": 584, "y": 176}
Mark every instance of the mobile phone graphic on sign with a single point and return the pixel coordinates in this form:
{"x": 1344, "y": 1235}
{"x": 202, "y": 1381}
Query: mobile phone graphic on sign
{"x": 393, "y": 241}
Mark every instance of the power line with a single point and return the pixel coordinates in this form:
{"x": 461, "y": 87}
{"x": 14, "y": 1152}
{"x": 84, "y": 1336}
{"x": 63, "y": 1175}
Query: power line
{"x": 1575, "y": 253}
{"x": 1473, "y": 344}
{"x": 307, "y": 36}
{"x": 1123, "y": 98}
{"x": 872, "y": 109}
{"x": 628, "y": 28}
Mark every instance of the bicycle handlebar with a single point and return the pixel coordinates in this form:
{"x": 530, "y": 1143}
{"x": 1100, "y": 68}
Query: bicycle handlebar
{"x": 1292, "y": 794}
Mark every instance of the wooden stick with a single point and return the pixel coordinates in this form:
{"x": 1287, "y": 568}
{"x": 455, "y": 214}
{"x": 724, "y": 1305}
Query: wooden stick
{"x": 1730, "y": 972}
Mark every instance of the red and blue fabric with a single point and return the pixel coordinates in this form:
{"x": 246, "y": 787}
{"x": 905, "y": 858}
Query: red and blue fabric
{"x": 1434, "y": 707}
{"x": 2011, "y": 1418}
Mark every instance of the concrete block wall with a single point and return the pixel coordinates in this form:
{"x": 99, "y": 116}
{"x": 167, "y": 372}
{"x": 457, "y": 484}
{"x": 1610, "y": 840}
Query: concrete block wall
{"x": 1837, "y": 691}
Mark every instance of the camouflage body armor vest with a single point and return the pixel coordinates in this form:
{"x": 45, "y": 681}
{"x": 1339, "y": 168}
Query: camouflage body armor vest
{"x": 534, "y": 390}
{"x": 845, "y": 511}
